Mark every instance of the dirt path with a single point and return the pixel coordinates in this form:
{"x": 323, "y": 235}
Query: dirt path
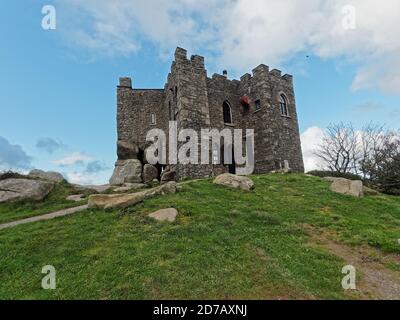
{"x": 374, "y": 279}
{"x": 48, "y": 216}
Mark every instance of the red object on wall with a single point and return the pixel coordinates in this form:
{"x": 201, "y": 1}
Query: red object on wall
{"x": 245, "y": 101}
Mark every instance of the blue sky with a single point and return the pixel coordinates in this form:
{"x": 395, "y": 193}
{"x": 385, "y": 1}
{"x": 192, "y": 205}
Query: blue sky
{"x": 57, "y": 87}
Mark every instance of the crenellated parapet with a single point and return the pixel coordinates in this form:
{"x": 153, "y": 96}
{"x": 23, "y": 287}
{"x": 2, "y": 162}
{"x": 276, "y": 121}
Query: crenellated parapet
{"x": 125, "y": 82}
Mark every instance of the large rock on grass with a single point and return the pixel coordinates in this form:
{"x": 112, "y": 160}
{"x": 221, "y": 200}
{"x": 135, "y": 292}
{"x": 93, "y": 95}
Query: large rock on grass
{"x": 104, "y": 201}
{"x": 167, "y": 176}
{"x": 162, "y": 215}
{"x": 370, "y": 192}
{"x": 92, "y": 188}
{"x": 127, "y": 171}
{"x": 345, "y": 186}
{"x": 234, "y": 181}
{"x": 130, "y": 187}
{"x": 49, "y": 175}
{"x": 149, "y": 173}
{"x": 24, "y": 189}
{"x": 76, "y": 197}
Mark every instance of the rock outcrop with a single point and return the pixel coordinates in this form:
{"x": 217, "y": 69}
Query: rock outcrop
{"x": 129, "y": 187}
{"x": 127, "y": 171}
{"x": 370, "y": 192}
{"x": 168, "y": 175}
{"x": 234, "y": 181}
{"x": 348, "y": 187}
{"x": 150, "y": 173}
{"x": 24, "y": 189}
{"x": 46, "y": 175}
{"x": 92, "y": 188}
{"x": 76, "y": 197}
{"x": 127, "y": 150}
{"x": 103, "y": 201}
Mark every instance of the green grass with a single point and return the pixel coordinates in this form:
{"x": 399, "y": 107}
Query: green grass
{"x": 225, "y": 244}
{"x": 55, "y": 201}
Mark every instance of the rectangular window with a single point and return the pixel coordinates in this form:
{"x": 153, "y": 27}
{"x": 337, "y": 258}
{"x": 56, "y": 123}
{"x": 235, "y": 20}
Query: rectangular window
{"x": 153, "y": 118}
{"x": 215, "y": 156}
{"x": 258, "y": 105}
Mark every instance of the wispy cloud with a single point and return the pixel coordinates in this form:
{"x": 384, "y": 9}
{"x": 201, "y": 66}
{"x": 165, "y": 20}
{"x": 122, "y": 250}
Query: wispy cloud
{"x": 13, "y": 156}
{"x": 81, "y": 178}
{"x": 96, "y": 166}
{"x": 73, "y": 159}
{"x": 368, "y": 107}
{"x": 49, "y": 145}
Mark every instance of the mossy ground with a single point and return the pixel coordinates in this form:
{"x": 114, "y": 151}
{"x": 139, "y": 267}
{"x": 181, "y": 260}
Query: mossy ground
{"x": 225, "y": 244}
{"x": 55, "y": 201}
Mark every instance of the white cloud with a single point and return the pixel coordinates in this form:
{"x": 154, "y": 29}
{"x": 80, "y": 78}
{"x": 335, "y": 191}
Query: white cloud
{"x": 369, "y": 106}
{"x": 75, "y": 158}
{"x": 243, "y": 33}
{"x": 88, "y": 178}
{"x": 82, "y": 178}
{"x": 13, "y": 156}
{"x": 310, "y": 140}
{"x": 120, "y": 27}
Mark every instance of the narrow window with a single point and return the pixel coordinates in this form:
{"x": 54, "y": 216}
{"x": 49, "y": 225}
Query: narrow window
{"x": 153, "y": 118}
{"x": 258, "y": 105}
{"x": 283, "y": 105}
{"x": 227, "y": 113}
{"x": 215, "y": 154}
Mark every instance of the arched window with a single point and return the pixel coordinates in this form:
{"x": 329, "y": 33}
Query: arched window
{"x": 226, "y": 108}
{"x": 283, "y": 105}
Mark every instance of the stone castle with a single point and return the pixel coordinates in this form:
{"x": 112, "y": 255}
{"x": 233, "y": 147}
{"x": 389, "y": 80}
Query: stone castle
{"x": 263, "y": 101}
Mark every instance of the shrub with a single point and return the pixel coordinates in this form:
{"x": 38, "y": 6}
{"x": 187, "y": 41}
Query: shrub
{"x": 322, "y": 174}
{"x": 387, "y": 177}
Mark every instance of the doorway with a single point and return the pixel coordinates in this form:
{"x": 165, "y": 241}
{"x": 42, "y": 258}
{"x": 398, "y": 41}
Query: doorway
{"x": 232, "y": 167}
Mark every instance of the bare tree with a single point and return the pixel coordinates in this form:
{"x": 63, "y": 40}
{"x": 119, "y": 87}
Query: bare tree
{"x": 372, "y": 153}
{"x": 339, "y": 149}
{"x": 373, "y": 138}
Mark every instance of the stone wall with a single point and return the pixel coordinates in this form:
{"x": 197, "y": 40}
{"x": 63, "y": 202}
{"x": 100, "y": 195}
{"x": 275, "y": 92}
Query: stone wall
{"x": 195, "y": 101}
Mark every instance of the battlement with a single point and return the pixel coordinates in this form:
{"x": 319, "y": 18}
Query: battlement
{"x": 125, "y": 82}
{"x": 276, "y": 73}
{"x": 180, "y": 54}
{"x": 197, "y": 61}
{"x": 261, "y": 69}
{"x": 246, "y": 77}
{"x": 288, "y": 78}
{"x": 217, "y": 76}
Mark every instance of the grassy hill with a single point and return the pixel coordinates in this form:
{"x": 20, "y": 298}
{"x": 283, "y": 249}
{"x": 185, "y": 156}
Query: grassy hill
{"x": 288, "y": 239}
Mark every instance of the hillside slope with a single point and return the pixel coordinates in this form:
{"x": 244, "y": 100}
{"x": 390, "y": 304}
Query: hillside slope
{"x": 288, "y": 239}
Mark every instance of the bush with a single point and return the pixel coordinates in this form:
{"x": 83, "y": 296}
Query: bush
{"x": 10, "y": 175}
{"x": 322, "y": 174}
{"x": 387, "y": 177}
